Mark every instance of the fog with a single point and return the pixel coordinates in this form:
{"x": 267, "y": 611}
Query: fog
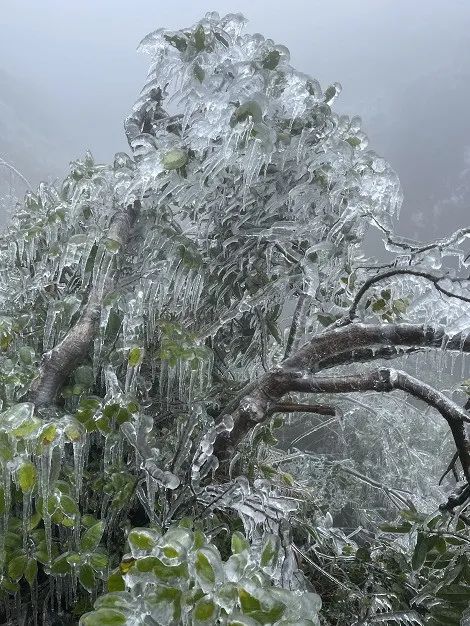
{"x": 69, "y": 73}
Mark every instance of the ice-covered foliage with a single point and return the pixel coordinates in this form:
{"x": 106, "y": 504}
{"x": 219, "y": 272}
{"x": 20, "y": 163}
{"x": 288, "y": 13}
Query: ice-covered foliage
{"x": 147, "y": 311}
{"x": 180, "y": 578}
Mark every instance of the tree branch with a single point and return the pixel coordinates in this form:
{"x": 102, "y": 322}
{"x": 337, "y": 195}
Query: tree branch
{"x": 389, "y": 380}
{"x": 319, "y": 409}
{"x": 325, "y": 350}
{"x": 362, "y": 355}
{"x": 397, "y": 272}
{"x": 386, "y": 380}
{"x": 59, "y": 363}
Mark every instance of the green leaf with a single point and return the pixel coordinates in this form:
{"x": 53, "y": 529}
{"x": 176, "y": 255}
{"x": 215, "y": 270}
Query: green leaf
{"x": 248, "y": 602}
{"x": 10, "y": 586}
{"x": 48, "y": 434}
{"x": 199, "y": 38}
{"x": 239, "y": 543}
{"x": 6, "y": 447}
{"x": 141, "y": 539}
{"x": 198, "y": 72}
{"x": 26, "y": 355}
{"x": 99, "y": 560}
{"x": 396, "y": 528}
{"x": 249, "y": 109}
{"x": 355, "y": 142}
{"x": 68, "y": 506}
{"x": 103, "y": 617}
{"x": 175, "y": 159}
{"x": 205, "y": 610}
{"x": 204, "y": 568}
{"x": 61, "y": 566}
{"x": 92, "y": 537}
{"x": 420, "y": 552}
{"x": 116, "y": 582}
{"x": 378, "y": 305}
{"x": 27, "y": 476}
{"x": 17, "y": 566}
{"x": 86, "y": 576}
{"x": 75, "y": 559}
{"x": 330, "y": 93}
{"x": 31, "y": 571}
{"x": 271, "y": 60}
{"x": 135, "y": 356}
{"x": 270, "y": 551}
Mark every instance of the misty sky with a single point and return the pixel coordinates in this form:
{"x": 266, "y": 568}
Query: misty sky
{"x": 69, "y": 73}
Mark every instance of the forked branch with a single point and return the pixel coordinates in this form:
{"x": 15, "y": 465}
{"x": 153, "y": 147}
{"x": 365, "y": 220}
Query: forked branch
{"x": 328, "y": 349}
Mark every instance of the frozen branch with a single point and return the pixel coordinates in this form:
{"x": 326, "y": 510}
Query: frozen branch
{"x": 59, "y": 363}
{"x": 319, "y": 409}
{"x": 295, "y": 374}
{"x": 13, "y": 169}
{"x": 397, "y": 272}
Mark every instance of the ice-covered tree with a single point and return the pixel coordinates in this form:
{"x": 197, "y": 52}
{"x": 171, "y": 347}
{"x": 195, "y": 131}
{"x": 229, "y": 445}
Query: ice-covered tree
{"x": 162, "y": 315}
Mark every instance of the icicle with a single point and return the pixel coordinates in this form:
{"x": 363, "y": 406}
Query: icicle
{"x": 45, "y": 462}
{"x": 151, "y": 495}
{"x": 27, "y": 508}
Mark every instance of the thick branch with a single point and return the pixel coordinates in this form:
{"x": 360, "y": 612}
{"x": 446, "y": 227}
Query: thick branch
{"x": 59, "y": 363}
{"x": 285, "y": 407}
{"x": 388, "y": 380}
{"x": 363, "y": 355}
{"x": 326, "y": 350}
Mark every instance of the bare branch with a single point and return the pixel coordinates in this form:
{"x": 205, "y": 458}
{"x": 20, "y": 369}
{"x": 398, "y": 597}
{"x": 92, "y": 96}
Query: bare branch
{"x": 397, "y": 493}
{"x": 298, "y": 320}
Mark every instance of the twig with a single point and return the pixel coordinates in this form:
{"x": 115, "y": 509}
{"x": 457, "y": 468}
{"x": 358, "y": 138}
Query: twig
{"x": 397, "y": 272}
{"x": 450, "y": 467}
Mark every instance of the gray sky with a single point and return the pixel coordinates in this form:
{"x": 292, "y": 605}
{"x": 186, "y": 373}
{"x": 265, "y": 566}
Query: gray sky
{"x": 69, "y": 73}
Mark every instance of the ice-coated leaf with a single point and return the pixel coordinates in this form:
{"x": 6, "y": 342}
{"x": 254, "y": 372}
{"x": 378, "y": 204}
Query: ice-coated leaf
{"x": 103, "y": 617}
{"x": 91, "y": 537}
{"x": 27, "y": 476}
{"x": 142, "y": 540}
{"x": 31, "y": 571}
{"x": 17, "y": 566}
{"x": 239, "y": 543}
{"x": 116, "y": 582}
{"x": 205, "y": 612}
{"x": 420, "y": 551}
{"x": 61, "y": 566}
{"x": 86, "y": 576}
{"x": 135, "y": 357}
{"x": 270, "y": 553}
{"x": 208, "y": 568}
{"x": 174, "y": 159}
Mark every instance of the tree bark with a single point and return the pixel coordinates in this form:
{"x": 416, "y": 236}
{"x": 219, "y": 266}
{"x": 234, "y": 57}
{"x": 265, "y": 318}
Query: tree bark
{"x": 59, "y": 363}
{"x": 335, "y": 347}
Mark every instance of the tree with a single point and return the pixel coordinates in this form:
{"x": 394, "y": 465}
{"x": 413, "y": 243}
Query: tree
{"x": 162, "y": 315}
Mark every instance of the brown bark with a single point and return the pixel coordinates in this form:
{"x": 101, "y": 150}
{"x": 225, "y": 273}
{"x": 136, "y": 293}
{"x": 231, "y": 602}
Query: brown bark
{"x": 337, "y": 346}
{"x": 59, "y": 363}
